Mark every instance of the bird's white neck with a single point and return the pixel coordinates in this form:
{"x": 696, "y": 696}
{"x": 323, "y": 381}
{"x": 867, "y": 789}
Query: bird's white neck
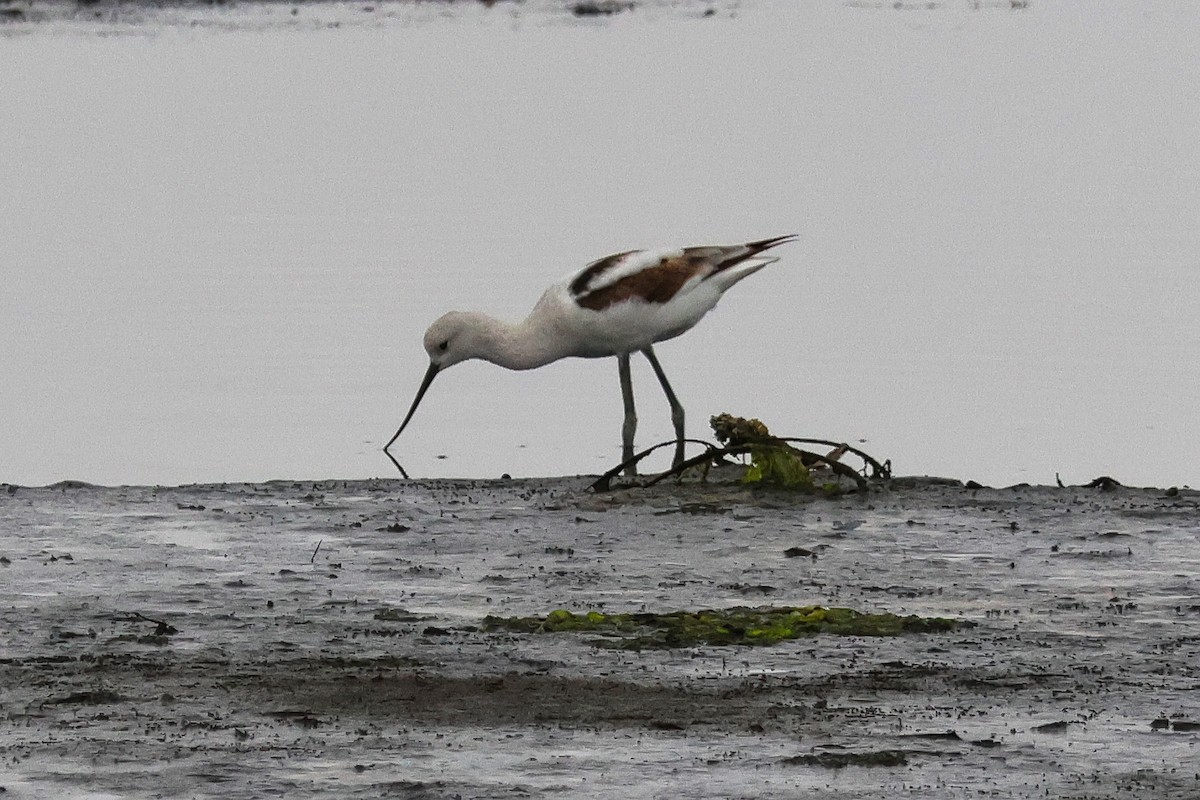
{"x": 511, "y": 346}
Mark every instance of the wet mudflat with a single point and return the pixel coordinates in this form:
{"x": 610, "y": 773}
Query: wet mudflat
{"x": 325, "y": 640}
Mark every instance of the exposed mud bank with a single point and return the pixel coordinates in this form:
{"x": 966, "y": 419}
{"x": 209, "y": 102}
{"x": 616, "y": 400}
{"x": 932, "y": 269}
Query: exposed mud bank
{"x": 324, "y": 640}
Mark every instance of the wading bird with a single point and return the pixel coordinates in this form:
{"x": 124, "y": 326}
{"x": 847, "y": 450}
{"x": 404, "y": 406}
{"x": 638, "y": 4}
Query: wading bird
{"x": 616, "y": 306}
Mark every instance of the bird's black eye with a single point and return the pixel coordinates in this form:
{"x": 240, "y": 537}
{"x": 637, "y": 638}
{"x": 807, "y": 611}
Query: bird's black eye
{"x": 444, "y": 346}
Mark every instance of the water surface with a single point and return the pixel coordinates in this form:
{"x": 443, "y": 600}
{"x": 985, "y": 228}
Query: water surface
{"x": 222, "y": 243}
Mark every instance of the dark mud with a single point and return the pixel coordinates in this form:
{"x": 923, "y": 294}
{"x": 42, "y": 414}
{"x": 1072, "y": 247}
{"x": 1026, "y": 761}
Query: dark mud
{"x": 322, "y": 640}
{"x": 18, "y": 16}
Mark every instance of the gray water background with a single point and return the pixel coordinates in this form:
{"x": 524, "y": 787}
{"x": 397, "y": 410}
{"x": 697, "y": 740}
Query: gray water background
{"x": 221, "y": 242}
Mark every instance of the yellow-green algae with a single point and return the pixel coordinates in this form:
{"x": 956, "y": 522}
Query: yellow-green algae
{"x": 773, "y": 462}
{"x": 777, "y": 466}
{"x": 741, "y": 625}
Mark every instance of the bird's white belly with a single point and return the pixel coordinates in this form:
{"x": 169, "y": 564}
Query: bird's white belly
{"x": 635, "y": 324}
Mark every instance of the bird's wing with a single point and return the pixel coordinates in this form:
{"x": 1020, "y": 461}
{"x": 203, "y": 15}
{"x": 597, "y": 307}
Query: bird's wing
{"x": 656, "y": 276}
{"x": 652, "y": 276}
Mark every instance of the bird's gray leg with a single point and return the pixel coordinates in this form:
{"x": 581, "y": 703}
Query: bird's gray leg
{"x": 630, "y": 425}
{"x": 676, "y": 408}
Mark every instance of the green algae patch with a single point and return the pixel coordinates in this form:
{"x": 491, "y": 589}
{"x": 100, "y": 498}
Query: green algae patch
{"x": 772, "y": 461}
{"x": 763, "y": 625}
{"x": 776, "y": 466}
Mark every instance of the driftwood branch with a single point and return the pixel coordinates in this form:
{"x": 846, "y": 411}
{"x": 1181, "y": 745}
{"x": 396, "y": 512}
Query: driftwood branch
{"x": 1104, "y": 483}
{"x": 806, "y": 456}
{"x": 604, "y": 482}
{"x": 878, "y": 470}
{"x": 162, "y": 629}
{"x": 713, "y": 453}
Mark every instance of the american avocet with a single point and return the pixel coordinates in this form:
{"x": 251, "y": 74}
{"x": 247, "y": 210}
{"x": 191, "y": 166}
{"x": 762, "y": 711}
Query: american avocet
{"x": 616, "y": 306}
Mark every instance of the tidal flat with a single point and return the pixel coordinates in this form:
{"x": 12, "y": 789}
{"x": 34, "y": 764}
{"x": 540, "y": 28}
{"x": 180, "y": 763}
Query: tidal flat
{"x": 327, "y": 639}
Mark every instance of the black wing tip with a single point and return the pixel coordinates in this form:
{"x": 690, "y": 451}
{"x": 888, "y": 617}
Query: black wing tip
{"x": 765, "y": 244}
{"x": 745, "y": 252}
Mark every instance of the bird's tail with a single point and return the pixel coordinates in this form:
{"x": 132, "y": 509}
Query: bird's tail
{"x": 739, "y": 261}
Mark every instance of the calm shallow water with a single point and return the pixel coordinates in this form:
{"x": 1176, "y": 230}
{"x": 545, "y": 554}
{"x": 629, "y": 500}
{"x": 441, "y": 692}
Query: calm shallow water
{"x": 222, "y": 245}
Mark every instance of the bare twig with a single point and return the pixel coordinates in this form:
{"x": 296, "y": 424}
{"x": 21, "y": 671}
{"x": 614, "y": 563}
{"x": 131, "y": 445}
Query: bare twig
{"x": 877, "y": 470}
{"x": 712, "y": 453}
{"x": 1104, "y": 483}
{"x": 313, "y": 560}
{"x": 740, "y": 449}
{"x": 162, "y": 629}
{"x": 604, "y": 482}
{"x": 707, "y": 457}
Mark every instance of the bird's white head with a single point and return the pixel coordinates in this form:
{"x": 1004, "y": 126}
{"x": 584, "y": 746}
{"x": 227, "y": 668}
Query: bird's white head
{"x": 454, "y": 337}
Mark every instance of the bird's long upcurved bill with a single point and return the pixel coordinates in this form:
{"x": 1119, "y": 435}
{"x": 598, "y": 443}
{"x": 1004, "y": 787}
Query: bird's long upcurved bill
{"x": 430, "y": 374}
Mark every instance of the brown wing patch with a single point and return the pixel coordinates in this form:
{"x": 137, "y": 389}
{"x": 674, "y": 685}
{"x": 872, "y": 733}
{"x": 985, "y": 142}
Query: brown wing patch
{"x": 594, "y": 270}
{"x": 657, "y": 284}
